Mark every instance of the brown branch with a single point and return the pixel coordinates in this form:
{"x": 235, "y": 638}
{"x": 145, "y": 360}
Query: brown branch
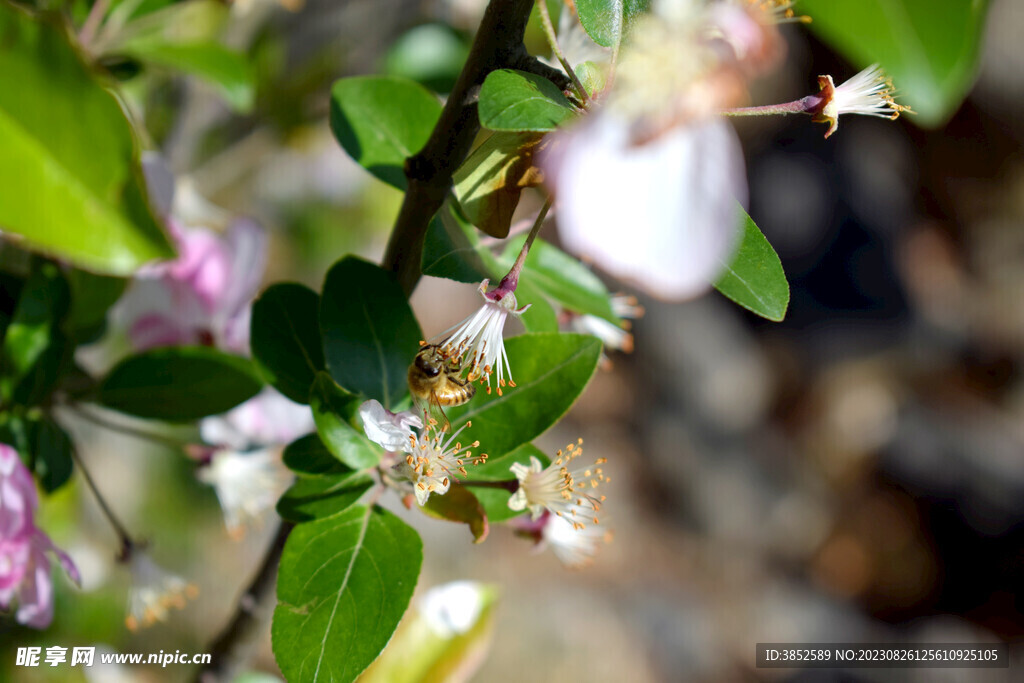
{"x": 232, "y": 648}
{"x": 498, "y": 45}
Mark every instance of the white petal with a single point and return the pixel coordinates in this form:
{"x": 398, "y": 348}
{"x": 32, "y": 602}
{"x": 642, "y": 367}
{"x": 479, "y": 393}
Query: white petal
{"x": 386, "y": 429}
{"x": 663, "y": 215}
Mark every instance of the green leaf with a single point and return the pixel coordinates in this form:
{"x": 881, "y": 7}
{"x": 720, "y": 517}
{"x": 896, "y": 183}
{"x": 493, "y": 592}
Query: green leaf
{"x": 452, "y": 249}
{"x": 308, "y": 455}
{"x": 42, "y": 302}
{"x": 54, "y": 364}
{"x": 382, "y": 120}
{"x": 754, "y": 278}
{"x": 563, "y": 278}
{"x": 607, "y": 21}
{"x": 312, "y": 498}
{"x": 550, "y": 370}
{"x": 70, "y": 183}
{"x": 490, "y": 181}
{"x": 225, "y": 69}
{"x": 179, "y": 384}
{"x": 285, "y": 338}
{"x": 931, "y": 55}
{"x": 370, "y": 334}
{"x": 91, "y": 298}
{"x": 343, "y": 585}
{"x": 430, "y": 54}
{"x": 51, "y": 454}
{"x": 495, "y": 501}
{"x": 330, "y": 405}
{"x": 461, "y": 506}
{"x": 520, "y": 101}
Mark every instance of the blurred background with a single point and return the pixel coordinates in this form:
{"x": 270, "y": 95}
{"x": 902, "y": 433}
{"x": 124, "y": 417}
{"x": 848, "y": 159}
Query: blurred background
{"x": 853, "y": 474}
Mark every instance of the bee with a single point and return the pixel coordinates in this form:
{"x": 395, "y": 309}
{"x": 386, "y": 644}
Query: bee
{"x": 436, "y": 380}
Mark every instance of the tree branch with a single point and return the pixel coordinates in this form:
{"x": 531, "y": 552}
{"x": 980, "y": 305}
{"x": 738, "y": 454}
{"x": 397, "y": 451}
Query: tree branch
{"x": 231, "y": 649}
{"x": 498, "y": 45}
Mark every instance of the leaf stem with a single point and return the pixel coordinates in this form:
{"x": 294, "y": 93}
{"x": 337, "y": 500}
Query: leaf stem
{"x": 549, "y": 32}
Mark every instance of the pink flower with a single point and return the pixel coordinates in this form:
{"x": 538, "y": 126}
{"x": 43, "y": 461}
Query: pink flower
{"x": 24, "y": 560}
{"x": 202, "y": 297}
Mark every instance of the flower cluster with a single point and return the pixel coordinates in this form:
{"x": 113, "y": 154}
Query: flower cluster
{"x": 24, "y": 548}
{"x": 202, "y": 297}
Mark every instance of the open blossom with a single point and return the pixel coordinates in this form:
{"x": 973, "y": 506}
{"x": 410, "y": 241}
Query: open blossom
{"x": 243, "y": 463}
{"x": 248, "y": 485}
{"x": 432, "y": 456}
{"x": 202, "y": 297}
{"x": 478, "y": 345}
{"x": 25, "y": 575}
{"x": 869, "y": 93}
{"x": 154, "y": 591}
{"x": 559, "y": 490}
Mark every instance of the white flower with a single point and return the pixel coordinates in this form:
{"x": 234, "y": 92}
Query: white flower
{"x": 558, "y": 490}
{"x": 243, "y": 463}
{"x": 869, "y": 93}
{"x": 612, "y": 336}
{"x": 575, "y": 547}
{"x": 154, "y": 591}
{"x": 478, "y": 344}
{"x": 248, "y": 484}
{"x": 431, "y": 460}
{"x": 665, "y": 214}
{"x": 390, "y": 431}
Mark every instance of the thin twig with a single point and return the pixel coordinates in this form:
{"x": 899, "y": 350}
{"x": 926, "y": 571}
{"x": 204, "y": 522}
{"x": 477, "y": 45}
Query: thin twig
{"x": 125, "y": 429}
{"x": 123, "y": 537}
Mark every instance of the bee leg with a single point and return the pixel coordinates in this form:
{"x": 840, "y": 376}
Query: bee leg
{"x": 440, "y": 409}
